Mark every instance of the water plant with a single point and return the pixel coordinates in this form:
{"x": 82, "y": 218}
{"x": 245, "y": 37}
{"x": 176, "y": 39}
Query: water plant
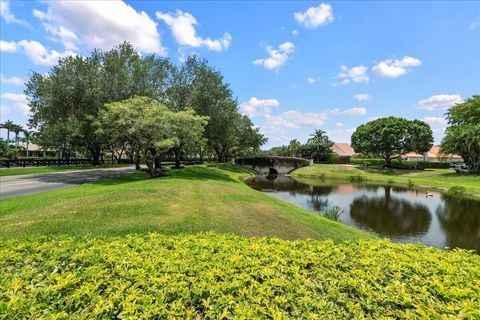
{"x": 333, "y": 213}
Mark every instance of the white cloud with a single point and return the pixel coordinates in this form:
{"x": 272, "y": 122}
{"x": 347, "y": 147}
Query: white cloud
{"x": 256, "y": 107}
{"x": 37, "y": 53}
{"x": 338, "y": 124}
{"x": 7, "y": 15}
{"x": 100, "y": 24}
{"x": 315, "y": 16}
{"x": 355, "y": 74}
{"x": 394, "y": 68}
{"x": 4, "y": 111}
{"x": 311, "y": 80}
{"x": 349, "y": 112}
{"x": 362, "y": 96}
{"x": 295, "y": 32}
{"x": 341, "y": 135}
{"x": 475, "y": 24}
{"x": 435, "y": 120}
{"x": 183, "y": 29}
{"x": 277, "y": 57}
{"x": 296, "y": 119}
{"x": 12, "y": 80}
{"x": 373, "y": 118}
{"x": 17, "y": 100}
{"x": 8, "y": 46}
{"x": 439, "y": 102}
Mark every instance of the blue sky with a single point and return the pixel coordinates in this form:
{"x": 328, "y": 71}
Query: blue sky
{"x": 294, "y": 66}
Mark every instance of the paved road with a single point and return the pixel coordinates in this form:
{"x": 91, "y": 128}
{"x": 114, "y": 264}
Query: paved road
{"x": 12, "y": 186}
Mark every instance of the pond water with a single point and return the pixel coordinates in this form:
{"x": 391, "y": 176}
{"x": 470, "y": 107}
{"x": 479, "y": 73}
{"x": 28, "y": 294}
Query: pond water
{"x": 400, "y": 214}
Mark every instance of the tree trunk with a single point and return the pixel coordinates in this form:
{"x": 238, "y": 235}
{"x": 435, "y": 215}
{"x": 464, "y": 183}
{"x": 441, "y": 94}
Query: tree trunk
{"x": 8, "y": 136}
{"x": 388, "y": 161}
{"x": 95, "y": 156}
{"x": 177, "y": 153}
{"x": 137, "y": 159}
{"x": 27, "y": 148}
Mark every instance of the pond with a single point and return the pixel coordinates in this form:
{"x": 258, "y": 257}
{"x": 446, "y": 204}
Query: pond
{"x": 400, "y": 214}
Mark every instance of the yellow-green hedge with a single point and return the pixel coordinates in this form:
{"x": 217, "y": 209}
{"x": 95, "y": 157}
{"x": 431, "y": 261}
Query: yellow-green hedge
{"x": 226, "y": 276}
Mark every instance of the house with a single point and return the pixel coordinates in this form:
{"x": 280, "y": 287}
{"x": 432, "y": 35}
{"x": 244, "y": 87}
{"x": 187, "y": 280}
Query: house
{"x": 433, "y": 155}
{"x": 36, "y": 151}
{"x": 344, "y": 151}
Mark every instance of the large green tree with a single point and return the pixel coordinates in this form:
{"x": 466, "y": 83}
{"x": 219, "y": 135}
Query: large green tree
{"x": 75, "y": 91}
{"x": 391, "y": 137}
{"x": 151, "y": 128}
{"x": 463, "y": 134}
{"x": 197, "y": 85}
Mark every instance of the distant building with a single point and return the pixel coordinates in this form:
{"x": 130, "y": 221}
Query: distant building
{"x": 36, "y": 151}
{"x": 344, "y": 151}
{"x": 433, "y": 155}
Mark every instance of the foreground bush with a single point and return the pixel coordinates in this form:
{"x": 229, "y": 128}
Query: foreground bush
{"x": 225, "y": 276}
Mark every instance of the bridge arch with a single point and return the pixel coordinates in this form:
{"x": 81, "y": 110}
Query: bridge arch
{"x": 273, "y": 164}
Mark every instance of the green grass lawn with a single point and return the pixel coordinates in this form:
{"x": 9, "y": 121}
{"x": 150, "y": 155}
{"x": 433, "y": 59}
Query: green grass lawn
{"x": 429, "y": 178}
{"x": 189, "y": 200}
{"x": 31, "y": 170}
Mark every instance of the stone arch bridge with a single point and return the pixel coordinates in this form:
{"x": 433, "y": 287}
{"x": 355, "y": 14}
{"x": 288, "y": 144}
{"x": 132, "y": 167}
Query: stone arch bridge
{"x": 273, "y": 164}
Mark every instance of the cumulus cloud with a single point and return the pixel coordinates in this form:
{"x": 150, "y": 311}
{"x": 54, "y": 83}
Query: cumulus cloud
{"x": 12, "y": 80}
{"x": 183, "y": 29}
{"x": 17, "y": 101}
{"x": 439, "y": 102}
{"x": 35, "y": 51}
{"x": 256, "y": 107}
{"x": 296, "y": 119}
{"x": 349, "y": 112}
{"x": 7, "y": 15}
{"x": 341, "y": 135}
{"x": 474, "y": 24}
{"x": 100, "y": 24}
{"x": 277, "y": 57}
{"x": 395, "y": 68}
{"x": 315, "y": 17}
{"x": 295, "y": 32}
{"x": 8, "y": 46}
{"x": 435, "y": 120}
{"x": 362, "y": 96}
{"x": 355, "y": 74}
{"x": 311, "y": 80}
{"x": 338, "y": 124}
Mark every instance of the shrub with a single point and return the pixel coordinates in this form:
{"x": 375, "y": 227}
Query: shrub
{"x": 211, "y": 276}
{"x": 457, "y": 190}
{"x": 357, "y": 178}
{"x": 333, "y": 213}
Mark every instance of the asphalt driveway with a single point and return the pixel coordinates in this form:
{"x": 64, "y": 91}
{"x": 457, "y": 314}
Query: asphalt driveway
{"x": 11, "y": 186}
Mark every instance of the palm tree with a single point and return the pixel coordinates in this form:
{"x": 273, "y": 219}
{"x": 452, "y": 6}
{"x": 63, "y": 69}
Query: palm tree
{"x": 294, "y": 147}
{"x": 9, "y": 125}
{"x": 322, "y": 144}
{"x": 17, "y": 129}
{"x": 27, "y": 137}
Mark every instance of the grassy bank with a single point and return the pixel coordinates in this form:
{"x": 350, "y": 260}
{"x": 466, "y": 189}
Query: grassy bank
{"x": 189, "y": 200}
{"x": 32, "y": 170}
{"x": 442, "y": 179}
{"x": 212, "y": 276}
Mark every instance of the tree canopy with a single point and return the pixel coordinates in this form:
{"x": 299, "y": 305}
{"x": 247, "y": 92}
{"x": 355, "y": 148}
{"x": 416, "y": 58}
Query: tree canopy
{"x": 463, "y": 133}
{"x": 66, "y": 103}
{"x": 391, "y": 137}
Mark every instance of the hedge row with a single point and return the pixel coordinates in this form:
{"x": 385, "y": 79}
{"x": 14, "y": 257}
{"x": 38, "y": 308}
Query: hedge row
{"x": 225, "y": 276}
{"x": 419, "y": 165}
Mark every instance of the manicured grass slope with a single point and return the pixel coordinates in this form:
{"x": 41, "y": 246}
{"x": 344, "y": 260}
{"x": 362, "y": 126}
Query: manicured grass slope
{"x": 212, "y": 276}
{"x": 434, "y": 178}
{"x": 32, "y": 170}
{"x": 193, "y": 199}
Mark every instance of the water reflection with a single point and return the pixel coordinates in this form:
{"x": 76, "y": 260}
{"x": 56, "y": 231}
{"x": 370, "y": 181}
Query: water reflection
{"x": 403, "y": 215}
